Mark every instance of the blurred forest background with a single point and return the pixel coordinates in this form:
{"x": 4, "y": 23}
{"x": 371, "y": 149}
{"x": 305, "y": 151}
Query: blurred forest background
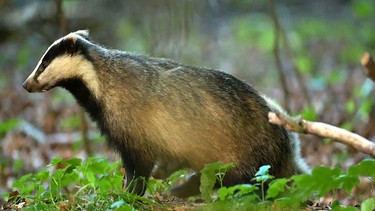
{"x": 304, "y": 54}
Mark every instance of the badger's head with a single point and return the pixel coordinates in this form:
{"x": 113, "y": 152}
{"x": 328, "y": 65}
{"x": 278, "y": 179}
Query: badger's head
{"x": 64, "y": 60}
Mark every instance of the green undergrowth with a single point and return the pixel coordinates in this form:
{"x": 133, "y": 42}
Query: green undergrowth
{"x": 96, "y": 184}
{"x": 75, "y": 185}
{"x": 294, "y": 193}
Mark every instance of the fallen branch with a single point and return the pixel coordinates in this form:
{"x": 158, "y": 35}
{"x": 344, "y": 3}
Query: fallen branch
{"x": 369, "y": 65}
{"x": 300, "y": 125}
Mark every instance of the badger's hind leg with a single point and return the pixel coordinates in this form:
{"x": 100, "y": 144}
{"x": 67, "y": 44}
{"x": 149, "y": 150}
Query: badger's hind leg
{"x": 164, "y": 168}
{"x": 189, "y": 188}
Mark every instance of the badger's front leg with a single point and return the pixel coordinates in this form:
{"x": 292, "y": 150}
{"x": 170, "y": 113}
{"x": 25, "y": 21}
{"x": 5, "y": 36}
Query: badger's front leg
{"x": 137, "y": 173}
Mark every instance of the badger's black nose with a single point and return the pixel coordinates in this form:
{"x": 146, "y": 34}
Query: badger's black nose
{"x": 25, "y": 86}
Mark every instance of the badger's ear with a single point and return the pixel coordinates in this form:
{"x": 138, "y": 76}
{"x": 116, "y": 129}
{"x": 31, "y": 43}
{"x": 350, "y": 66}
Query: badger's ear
{"x": 70, "y": 46}
{"x": 83, "y": 33}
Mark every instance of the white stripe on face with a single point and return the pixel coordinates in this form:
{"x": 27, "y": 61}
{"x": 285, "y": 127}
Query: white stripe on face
{"x": 72, "y": 36}
{"x": 32, "y": 75}
{"x": 62, "y": 67}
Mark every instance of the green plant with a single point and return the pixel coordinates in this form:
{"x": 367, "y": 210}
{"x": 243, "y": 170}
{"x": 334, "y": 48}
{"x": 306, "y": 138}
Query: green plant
{"x": 157, "y": 185}
{"x": 96, "y": 184}
{"x": 241, "y": 195}
{"x": 211, "y": 174}
{"x": 73, "y": 184}
{"x": 290, "y": 193}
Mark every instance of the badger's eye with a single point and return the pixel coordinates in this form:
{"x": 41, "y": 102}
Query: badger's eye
{"x": 44, "y": 64}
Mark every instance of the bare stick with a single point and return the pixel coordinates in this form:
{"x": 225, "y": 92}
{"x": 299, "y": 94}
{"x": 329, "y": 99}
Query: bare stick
{"x": 323, "y": 130}
{"x": 281, "y": 36}
{"x": 369, "y": 65}
{"x": 276, "y": 53}
{"x": 60, "y": 13}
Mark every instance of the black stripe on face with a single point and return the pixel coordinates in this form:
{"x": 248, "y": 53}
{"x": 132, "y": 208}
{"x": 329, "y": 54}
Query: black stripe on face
{"x": 65, "y": 46}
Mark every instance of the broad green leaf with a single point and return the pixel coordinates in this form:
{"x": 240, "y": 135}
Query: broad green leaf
{"x": 320, "y": 181}
{"x": 347, "y": 182}
{"x": 104, "y": 186}
{"x": 368, "y": 205}
{"x": 208, "y": 180}
{"x": 364, "y": 168}
{"x": 90, "y": 176}
{"x": 223, "y": 192}
{"x": 56, "y": 161}
{"x": 235, "y": 191}
{"x": 42, "y": 175}
{"x": 19, "y": 183}
{"x": 276, "y": 187}
{"x": 74, "y": 161}
{"x": 242, "y": 189}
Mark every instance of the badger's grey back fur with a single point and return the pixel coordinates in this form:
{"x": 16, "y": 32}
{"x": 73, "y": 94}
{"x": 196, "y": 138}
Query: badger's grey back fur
{"x": 155, "y": 110}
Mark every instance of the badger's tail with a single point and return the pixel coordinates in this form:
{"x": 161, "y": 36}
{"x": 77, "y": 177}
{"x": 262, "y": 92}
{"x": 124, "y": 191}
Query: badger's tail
{"x": 300, "y": 164}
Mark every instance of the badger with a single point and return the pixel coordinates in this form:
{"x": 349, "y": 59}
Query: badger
{"x": 155, "y": 111}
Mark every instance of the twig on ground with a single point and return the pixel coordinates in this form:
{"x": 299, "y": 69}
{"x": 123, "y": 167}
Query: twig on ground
{"x": 300, "y": 125}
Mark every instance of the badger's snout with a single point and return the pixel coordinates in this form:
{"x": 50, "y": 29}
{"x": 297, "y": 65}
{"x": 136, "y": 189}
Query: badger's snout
{"x": 27, "y": 86}
{"x": 32, "y": 85}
